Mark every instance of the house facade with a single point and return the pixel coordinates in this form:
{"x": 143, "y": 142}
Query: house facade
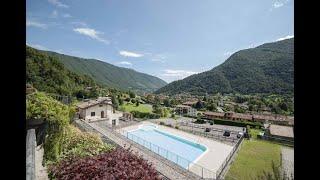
{"x": 97, "y": 110}
{"x": 186, "y": 110}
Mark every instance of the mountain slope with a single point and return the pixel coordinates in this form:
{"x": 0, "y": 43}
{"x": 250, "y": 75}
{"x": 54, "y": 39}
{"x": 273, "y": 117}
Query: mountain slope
{"x": 47, "y": 74}
{"x": 265, "y": 69}
{"x": 110, "y": 75}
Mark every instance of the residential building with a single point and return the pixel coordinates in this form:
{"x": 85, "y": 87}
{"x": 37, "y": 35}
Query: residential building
{"x": 189, "y": 103}
{"x": 126, "y": 116}
{"x": 186, "y": 110}
{"x": 98, "y": 110}
{"x": 264, "y": 118}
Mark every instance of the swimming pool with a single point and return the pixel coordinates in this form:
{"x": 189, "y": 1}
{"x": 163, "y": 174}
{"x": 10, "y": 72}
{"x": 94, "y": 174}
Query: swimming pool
{"x": 170, "y": 146}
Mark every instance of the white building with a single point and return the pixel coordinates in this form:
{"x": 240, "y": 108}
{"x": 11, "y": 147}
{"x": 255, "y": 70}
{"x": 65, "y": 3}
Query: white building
{"x": 97, "y": 110}
{"x": 186, "y": 110}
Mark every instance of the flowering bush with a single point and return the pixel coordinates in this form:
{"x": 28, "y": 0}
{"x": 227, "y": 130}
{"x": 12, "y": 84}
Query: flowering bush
{"x": 117, "y": 164}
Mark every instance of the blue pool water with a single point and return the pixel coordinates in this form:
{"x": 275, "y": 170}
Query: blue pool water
{"x": 174, "y": 148}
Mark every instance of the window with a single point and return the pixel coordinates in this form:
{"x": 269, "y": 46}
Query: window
{"x": 93, "y": 113}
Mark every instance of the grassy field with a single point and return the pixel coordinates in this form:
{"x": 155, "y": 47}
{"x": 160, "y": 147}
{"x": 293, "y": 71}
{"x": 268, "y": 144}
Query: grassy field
{"x": 254, "y": 157}
{"x": 133, "y": 107}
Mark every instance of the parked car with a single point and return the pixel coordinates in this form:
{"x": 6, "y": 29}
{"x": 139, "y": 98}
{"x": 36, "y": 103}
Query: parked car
{"x": 239, "y": 134}
{"x": 226, "y": 133}
{"x": 207, "y": 130}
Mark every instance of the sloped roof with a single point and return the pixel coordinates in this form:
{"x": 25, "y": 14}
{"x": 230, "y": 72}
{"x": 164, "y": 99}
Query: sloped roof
{"x": 94, "y": 102}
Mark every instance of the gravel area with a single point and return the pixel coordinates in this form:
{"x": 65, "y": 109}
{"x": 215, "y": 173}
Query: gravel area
{"x": 216, "y": 131}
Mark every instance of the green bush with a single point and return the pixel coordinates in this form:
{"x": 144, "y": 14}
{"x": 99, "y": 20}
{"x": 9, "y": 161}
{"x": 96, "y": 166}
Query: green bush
{"x": 138, "y": 114}
{"x": 55, "y": 114}
{"x": 82, "y": 144}
{"x": 200, "y": 121}
{"x": 238, "y": 123}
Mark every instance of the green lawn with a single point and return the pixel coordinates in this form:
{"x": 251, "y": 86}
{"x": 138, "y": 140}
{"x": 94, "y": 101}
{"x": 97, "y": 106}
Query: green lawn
{"x": 254, "y": 157}
{"x": 133, "y": 107}
{"x": 254, "y": 133}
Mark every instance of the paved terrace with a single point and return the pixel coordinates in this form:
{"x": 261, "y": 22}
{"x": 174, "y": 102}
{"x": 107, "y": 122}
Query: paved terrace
{"x": 162, "y": 165}
{"x": 287, "y": 155}
{"x": 212, "y": 159}
{"x": 216, "y": 131}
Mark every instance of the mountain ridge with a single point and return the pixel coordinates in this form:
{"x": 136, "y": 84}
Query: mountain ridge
{"x": 110, "y": 75}
{"x": 255, "y": 70}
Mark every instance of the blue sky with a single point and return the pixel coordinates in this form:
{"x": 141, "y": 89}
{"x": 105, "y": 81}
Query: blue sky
{"x": 170, "y": 39}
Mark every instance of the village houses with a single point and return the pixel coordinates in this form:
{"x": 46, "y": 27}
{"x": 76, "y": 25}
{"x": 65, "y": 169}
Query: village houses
{"x": 264, "y": 118}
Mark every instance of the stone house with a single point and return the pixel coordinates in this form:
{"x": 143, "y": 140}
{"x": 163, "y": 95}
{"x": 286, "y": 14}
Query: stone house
{"x": 98, "y": 110}
{"x": 186, "y": 110}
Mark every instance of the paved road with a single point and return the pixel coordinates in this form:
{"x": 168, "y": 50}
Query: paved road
{"x": 288, "y": 161}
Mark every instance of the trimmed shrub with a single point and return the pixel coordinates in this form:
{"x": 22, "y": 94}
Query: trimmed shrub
{"x": 200, "y": 121}
{"x": 138, "y": 114}
{"x": 118, "y": 164}
{"x": 238, "y": 123}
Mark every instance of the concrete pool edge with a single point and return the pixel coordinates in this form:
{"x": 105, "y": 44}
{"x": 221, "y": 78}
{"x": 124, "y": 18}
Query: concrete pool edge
{"x": 211, "y": 160}
{"x": 178, "y": 137}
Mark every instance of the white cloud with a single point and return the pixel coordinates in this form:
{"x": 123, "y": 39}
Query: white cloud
{"x": 91, "y": 33}
{"x": 170, "y": 75}
{"x": 58, "y": 3}
{"x": 79, "y": 23}
{"x": 54, "y": 14}
{"x": 228, "y": 53}
{"x": 286, "y": 37}
{"x": 67, "y": 16}
{"x": 36, "y": 24}
{"x": 279, "y": 4}
{"x": 178, "y": 73}
{"x": 129, "y": 54}
{"x": 125, "y": 63}
{"x": 158, "y": 60}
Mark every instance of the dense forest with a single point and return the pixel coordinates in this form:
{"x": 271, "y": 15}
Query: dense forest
{"x": 265, "y": 69}
{"x": 110, "y": 75}
{"x": 45, "y": 73}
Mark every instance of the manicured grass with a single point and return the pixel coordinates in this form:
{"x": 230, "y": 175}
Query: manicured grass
{"x": 254, "y": 157}
{"x": 132, "y": 107}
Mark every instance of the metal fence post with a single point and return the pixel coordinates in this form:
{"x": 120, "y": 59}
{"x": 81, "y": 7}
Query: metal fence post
{"x": 202, "y": 172}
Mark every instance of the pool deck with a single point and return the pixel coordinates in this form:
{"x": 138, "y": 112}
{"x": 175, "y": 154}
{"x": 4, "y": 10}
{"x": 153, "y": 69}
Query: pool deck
{"x": 211, "y": 159}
